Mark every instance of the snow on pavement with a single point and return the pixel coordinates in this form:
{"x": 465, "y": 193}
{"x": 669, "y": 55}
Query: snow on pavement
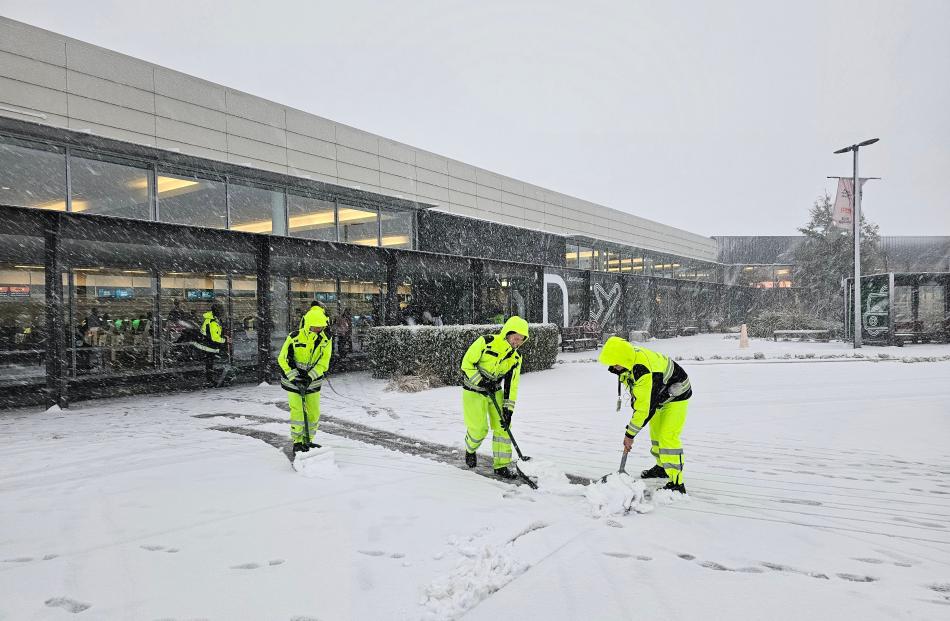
{"x": 814, "y": 487}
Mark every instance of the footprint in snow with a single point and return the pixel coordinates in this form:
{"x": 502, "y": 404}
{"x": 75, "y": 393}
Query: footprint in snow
{"x": 397, "y": 555}
{"x": 856, "y": 578}
{"x": 152, "y": 548}
{"x": 67, "y": 604}
{"x": 18, "y": 559}
{"x": 786, "y": 568}
{"x": 638, "y": 557}
{"x": 372, "y": 552}
{"x": 718, "y": 567}
{"x": 872, "y": 561}
{"x": 246, "y": 566}
{"x": 50, "y": 557}
{"x": 686, "y": 557}
{"x": 275, "y": 562}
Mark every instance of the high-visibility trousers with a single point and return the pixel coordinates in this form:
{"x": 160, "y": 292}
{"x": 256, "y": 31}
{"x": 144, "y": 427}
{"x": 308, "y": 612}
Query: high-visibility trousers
{"x": 479, "y": 414}
{"x": 297, "y": 432}
{"x": 665, "y": 428}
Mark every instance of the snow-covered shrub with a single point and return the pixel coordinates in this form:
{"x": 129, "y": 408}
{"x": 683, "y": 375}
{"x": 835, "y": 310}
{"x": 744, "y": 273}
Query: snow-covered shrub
{"x": 436, "y": 351}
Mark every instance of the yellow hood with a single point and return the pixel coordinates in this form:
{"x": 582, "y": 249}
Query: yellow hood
{"x": 617, "y": 351}
{"x": 515, "y": 324}
{"x": 316, "y": 316}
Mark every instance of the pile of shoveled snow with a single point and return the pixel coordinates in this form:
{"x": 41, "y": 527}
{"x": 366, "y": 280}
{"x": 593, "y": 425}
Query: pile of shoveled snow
{"x": 549, "y": 477}
{"x": 620, "y": 494}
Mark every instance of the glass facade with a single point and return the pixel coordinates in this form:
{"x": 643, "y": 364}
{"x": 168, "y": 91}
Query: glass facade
{"x": 32, "y": 175}
{"x": 311, "y": 218}
{"x": 112, "y": 320}
{"x": 256, "y": 210}
{"x": 22, "y": 316}
{"x": 570, "y": 255}
{"x": 396, "y": 228}
{"x": 110, "y": 188}
{"x": 192, "y": 200}
{"x": 358, "y": 225}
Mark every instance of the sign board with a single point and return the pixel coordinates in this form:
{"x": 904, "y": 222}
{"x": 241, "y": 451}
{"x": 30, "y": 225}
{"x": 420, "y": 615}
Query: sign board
{"x": 15, "y": 291}
{"x": 199, "y": 294}
{"x": 877, "y": 295}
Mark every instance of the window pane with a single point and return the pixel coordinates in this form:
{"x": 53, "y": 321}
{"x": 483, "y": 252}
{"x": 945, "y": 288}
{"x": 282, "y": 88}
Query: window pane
{"x": 185, "y": 297}
{"x": 311, "y": 218}
{"x": 305, "y": 291}
{"x": 358, "y": 225}
{"x": 614, "y": 261}
{"x": 109, "y": 189}
{"x": 360, "y": 303}
{"x": 113, "y": 321}
{"x": 191, "y": 200}
{"x": 584, "y": 257}
{"x": 597, "y": 260}
{"x": 22, "y": 317}
{"x": 397, "y": 228}
{"x": 570, "y": 256}
{"x": 243, "y": 327}
{"x": 255, "y": 210}
{"x": 32, "y": 175}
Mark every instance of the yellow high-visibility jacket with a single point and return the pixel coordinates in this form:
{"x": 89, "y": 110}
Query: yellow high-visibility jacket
{"x": 491, "y": 359}
{"x": 211, "y": 339}
{"x": 306, "y": 352}
{"x": 652, "y": 379}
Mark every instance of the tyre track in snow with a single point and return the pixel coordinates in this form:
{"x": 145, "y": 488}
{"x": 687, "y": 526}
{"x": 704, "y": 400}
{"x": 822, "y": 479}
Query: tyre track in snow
{"x": 758, "y": 503}
{"x": 771, "y": 507}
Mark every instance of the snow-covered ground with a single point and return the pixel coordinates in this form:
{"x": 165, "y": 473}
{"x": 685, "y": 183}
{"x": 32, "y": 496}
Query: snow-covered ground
{"x": 817, "y": 489}
{"x": 726, "y": 347}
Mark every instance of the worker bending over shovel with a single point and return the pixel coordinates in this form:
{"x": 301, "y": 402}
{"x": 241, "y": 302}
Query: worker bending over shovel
{"x": 659, "y": 390}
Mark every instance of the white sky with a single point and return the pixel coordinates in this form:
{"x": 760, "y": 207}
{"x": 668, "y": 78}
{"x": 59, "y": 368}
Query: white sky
{"x": 716, "y": 117}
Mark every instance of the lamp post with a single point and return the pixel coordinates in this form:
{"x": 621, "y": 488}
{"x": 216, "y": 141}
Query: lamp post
{"x": 856, "y": 217}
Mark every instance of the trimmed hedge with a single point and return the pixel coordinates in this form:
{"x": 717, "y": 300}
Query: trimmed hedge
{"x": 436, "y": 351}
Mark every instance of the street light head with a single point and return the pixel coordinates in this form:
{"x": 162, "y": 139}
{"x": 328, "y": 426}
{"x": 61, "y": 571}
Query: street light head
{"x": 867, "y": 142}
{"x": 845, "y": 150}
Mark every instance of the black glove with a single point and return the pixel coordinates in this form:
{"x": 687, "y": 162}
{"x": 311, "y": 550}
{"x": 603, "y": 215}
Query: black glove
{"x": 302, "y": 381}
{"x": 506, "y": 414}
{"x": 618, "y": 373}
{"x": 491, "y": 386}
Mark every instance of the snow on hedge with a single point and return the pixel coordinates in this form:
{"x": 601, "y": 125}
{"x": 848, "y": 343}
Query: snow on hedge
{"x": 436, "y": 351}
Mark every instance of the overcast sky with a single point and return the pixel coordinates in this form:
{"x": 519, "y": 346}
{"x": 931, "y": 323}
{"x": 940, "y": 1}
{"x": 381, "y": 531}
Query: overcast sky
{"x": 716, "y": 117}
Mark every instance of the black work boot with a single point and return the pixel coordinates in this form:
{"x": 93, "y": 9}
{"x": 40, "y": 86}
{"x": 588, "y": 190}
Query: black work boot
{"x": 505, "y": 473}
{"x": 675, "y": 487}
{"x": 656, "y": 472}
{"x": 314, "y": 445}
{"x": 471, "y": 459}
{"x": 300, "y": 447}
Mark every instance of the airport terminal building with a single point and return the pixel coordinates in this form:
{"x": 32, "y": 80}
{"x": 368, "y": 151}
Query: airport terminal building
{"x": 132, "y": 196}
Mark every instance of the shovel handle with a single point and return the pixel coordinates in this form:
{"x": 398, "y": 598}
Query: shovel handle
{"x": 623, "y": 463}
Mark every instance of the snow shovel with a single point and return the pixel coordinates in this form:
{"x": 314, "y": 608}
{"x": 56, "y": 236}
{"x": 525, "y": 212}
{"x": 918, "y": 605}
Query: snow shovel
{"x": 521, "y": 456}
{"x": 622, "y": 470}
{"x": 308, "y": 462}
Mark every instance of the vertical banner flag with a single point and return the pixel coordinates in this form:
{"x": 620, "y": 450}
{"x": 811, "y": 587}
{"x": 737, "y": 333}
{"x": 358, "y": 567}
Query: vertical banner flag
{"x": 843, "y": 212}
